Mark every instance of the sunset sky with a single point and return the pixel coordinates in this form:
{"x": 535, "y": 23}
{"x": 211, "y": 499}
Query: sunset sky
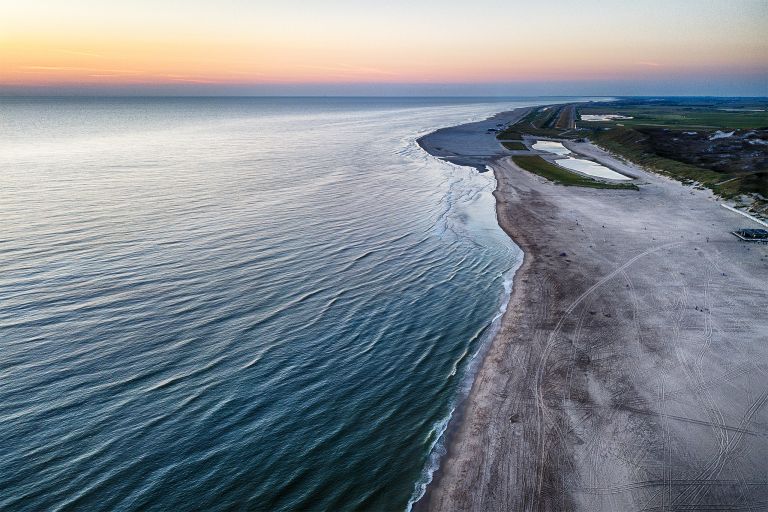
{"x": 388, "y": 47}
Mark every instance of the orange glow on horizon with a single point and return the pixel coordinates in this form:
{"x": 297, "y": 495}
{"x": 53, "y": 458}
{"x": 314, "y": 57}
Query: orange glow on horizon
{"x": 130, "y": 62}
{"x": 131, "y": 45}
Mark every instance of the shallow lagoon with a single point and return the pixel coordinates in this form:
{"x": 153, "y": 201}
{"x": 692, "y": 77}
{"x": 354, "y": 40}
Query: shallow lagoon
{"x": 550, "y": 146}
{"x": 577, "y": 164}
{"x": 591, "y": 168}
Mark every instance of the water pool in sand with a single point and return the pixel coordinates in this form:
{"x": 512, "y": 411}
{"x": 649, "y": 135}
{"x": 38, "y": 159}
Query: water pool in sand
{"x": 603, "y": 117}
{"x": 591, "y": 168}
{"x": 551, "y": 146}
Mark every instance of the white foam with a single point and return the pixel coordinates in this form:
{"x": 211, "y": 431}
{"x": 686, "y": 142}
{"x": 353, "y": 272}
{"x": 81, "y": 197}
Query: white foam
{"x": 438, "y": 448}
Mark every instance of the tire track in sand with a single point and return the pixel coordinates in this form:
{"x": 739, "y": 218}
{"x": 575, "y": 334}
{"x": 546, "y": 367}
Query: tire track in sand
{"x": 541, "y": 409}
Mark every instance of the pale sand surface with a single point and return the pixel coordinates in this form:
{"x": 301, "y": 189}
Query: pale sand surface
{"x": 631, "y": 369}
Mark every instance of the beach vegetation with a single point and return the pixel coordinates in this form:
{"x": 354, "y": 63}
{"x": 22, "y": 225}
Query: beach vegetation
{"x": 514, "y": 145}
{"x": 510, "y": 133}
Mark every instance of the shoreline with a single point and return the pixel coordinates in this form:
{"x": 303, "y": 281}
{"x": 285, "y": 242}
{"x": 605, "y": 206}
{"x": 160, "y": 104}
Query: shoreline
{"x": 456, "y": 144}
{"x": 481, "y": 164}
{"x": 515, "y": 441}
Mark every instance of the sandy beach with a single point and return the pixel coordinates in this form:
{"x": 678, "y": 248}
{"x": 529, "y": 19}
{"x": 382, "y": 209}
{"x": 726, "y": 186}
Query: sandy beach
{"x": 631, "y": 368}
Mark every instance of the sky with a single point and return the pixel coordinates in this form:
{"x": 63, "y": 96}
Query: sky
{"x": 384, "y": 47}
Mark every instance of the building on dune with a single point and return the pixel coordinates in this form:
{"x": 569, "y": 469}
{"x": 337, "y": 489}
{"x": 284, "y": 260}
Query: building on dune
{"x": 752, "y": 235}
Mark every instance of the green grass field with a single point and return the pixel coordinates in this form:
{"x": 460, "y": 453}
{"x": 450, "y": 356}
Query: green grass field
{"x": 691, "y": 115}
{"x": 511, "y": 133}
{"x": 681, "y": 119}
{"x": 538, "y": 165}
{"x": 514, "y": 146}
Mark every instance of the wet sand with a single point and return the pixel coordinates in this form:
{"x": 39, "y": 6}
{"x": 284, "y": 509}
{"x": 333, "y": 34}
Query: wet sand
{"x": 631, "y": 368}
{"x": 472, "y": 144}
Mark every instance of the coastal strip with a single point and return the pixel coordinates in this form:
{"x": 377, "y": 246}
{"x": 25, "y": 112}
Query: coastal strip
{"x": 630, "y": 371}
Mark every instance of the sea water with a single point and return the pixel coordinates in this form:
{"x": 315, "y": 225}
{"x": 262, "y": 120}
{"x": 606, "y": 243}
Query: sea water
{"x": 250, "y": 303}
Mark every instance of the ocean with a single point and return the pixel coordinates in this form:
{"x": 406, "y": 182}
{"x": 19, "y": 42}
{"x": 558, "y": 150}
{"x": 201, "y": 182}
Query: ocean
{"x": 237, "y": 303}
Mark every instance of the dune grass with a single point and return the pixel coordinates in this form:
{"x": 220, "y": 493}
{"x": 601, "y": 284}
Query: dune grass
{"x": 538, "y": 165}
{"x": 510, "y": 133}
{"x": 514, "y": 146}
{"x": 633, "y": 146}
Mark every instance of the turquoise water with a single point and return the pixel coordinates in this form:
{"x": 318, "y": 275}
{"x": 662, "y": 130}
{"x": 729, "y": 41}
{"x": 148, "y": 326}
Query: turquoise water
{"x": 251, "y": 304}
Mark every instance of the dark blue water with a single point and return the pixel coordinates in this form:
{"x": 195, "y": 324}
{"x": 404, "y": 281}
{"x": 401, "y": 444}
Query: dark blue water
{"x": 251, "y": 304}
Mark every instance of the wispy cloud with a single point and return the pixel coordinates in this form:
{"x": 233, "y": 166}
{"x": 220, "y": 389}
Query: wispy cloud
{"x": 187, "y": 78}
{"x": 348, "y": 69}
{"x": 52, "y": 68}
{"x": 37, "y": 69}
{"x": 247, "y": 73}
{"x": 78, "y": 52}
{"x": 649, "y": 64}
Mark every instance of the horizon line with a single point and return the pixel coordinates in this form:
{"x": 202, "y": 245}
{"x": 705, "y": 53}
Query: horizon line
{"x": 375, "y": 96}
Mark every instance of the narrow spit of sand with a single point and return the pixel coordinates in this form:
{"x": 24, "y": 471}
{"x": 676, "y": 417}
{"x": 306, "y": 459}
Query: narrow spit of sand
{"x": 631, "y": 368}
